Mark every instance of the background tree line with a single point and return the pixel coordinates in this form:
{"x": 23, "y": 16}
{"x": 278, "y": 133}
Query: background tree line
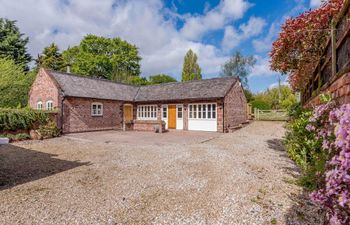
{"x": 100, "y": 57}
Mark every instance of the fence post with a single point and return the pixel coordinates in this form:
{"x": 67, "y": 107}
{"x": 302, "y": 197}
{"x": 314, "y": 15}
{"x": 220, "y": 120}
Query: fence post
{"x": 334, "y": 48}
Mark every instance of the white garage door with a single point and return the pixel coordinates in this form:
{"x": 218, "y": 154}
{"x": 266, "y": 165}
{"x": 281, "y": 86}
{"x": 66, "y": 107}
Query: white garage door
{"x": 202, "y": 116}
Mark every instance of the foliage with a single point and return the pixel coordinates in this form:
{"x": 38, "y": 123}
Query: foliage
{"x": 335, "y": 132}
{"x": 305, "y": 149}
{"x": 275, "y": 98}
{"x": 109, "y": 58}
{"x": 13, "y": 44}
{"x": 261, "y": 104}
{"x": 14, "y": 84}
{"x": 21, "y": 119}
{"x": 139, "y": 81}
{"x": 49, "y": 130}
{"x": 319, "y": 142}
{"x": 240, "y": 66}
{"x": 191, "y": 69}
{"x": 51, "y": 58}
{"x": 302, "y": 41}
{"x": 161, "y": 78}
{"x": 248, "y": 95}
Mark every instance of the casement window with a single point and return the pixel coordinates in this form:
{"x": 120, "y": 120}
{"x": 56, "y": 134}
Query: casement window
{"x": 147, "y": 112}
{"x": 39, "y": 105}
{"x": 179, "y": 111}
{"x": 164, "y": 111}
{"x": 96, "y": 109}
{"x": 49, "y": 105}
{"x": 202, "y": 111}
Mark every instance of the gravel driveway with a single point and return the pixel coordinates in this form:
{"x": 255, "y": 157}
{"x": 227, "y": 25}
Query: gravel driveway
{"x": 238, "y": 178}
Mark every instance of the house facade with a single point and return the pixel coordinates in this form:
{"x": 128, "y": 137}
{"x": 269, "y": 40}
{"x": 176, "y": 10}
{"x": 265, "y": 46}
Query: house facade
{"x": 89, "y": 104}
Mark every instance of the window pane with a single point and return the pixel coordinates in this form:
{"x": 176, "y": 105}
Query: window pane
{"x": 194, "y": 111}
{"x": 214, "y": 111}
{"x": 209, "y": 111}
{"x": 199, "y": 111}
{"x": 204, "y": 111}
{"x": 179, "y": 112}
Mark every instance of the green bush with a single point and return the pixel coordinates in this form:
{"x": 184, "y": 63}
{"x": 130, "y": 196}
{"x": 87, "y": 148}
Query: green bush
{"x": 306, "y": 151}
{"x": 49, "y": 130}
{"x": 21, "y": 119}
{"x": 260, "y": 104}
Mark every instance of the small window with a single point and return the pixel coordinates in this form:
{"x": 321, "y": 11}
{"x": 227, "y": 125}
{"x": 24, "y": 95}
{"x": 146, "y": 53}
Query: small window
{"x": 199, "y": 111}
{"x": 147, "y": 112}
{"x": 49, "y": 105}
{"x": 165, "y": 111}
{"x": 39, "y": 105}
{"x": 204, "y": 111}
{"x": 179, "y": 111}
{"x": 194, "y": 111}
{"x": 96, "y": 109}
{"x": 213, "y": 111}
{"x": 191, "y": 106}
{"x": 209, "y": 111}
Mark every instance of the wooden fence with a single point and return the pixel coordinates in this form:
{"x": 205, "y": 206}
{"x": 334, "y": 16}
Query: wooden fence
{"x": 335, "y": 60}
{"x": 270, "y": 115}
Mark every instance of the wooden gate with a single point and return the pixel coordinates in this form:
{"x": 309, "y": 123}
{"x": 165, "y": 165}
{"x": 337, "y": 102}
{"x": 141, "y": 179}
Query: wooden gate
{"x": 270, "y": 115}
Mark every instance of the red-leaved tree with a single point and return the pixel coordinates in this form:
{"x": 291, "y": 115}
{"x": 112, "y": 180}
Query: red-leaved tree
{"x": 301, "y": 43}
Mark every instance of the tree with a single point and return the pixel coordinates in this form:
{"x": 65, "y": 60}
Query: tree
{"x": 301, "y": 43}
{"x": 161, "y": 78}
{"x": 191, "y": 69}
{"x": 139, "y": 81}
{"x": 14, "y": 84}
{"x": 240, "y": 66}
{"x": 275, "y": 98}
{"x": 51, "y": 58}
{"x": 248, "y": 95}
{"x": 13, "y": 44}
{"x": 109, "y": 58}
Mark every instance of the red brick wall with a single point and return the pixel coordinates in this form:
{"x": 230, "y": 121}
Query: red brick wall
{"x": 235, "y": 107}
{"x": 339, "y": 90}
{"x": 77, "y": 115}
{"x": 43, "y": 89}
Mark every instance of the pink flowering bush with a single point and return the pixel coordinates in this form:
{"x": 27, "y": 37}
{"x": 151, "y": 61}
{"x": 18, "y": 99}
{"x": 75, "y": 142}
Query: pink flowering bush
{"x": 332, "y": 125}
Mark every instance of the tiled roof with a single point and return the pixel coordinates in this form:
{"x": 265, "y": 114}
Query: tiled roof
{"x": 79, "y": 86}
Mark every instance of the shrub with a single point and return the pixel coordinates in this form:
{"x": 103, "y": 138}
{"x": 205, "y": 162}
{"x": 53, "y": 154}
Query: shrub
{"x": 305, "y": 149}
{"x": 49, "y": 130}
{"x": 260, "y": 104}
{"x": 21, "y": 119}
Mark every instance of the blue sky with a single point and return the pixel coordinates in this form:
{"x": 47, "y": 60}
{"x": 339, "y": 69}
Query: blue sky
{"x": 164, "y": 30}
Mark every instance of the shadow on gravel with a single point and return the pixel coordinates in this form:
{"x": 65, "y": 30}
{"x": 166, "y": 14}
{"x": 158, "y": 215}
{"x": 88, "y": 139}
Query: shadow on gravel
{"x": 303, "y": 211}
{"x": 19, "y": 165}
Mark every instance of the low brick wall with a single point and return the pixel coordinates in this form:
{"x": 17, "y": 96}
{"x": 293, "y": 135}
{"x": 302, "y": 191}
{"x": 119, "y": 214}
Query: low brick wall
{"x": 339, "y": 90}
{"x": 148, "y": 125}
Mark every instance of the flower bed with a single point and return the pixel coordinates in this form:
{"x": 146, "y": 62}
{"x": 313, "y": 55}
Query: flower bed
{"x": 324, "y": 157}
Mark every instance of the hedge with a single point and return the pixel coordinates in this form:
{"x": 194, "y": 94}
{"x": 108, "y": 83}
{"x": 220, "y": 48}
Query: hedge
{"x": 21, "y": 119}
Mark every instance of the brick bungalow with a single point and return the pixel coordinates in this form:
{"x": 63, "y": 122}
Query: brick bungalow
{"x": 89, "y": 104}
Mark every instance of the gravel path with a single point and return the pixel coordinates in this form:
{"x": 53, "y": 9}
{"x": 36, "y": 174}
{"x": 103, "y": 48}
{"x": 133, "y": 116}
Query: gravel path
{"x": 238, "y": 178}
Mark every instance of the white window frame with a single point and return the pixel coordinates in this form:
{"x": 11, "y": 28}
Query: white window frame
{"x": 49, "y": 105}
{"x": 147, "y": 112}
{"x": 165, "y": 111}
{"x": 194, "y": 113}
{"x": 39, "y": 105}
{"x": 98, "y": 112}
{"x": 177, "y": 112}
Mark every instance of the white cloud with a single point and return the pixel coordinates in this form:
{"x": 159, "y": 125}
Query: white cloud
{"x": 265, "y": 44}
{"x": 142, "y": 23}
{"x": 315, "y": 3}
{"x": 252, "y": 28}
{"x": 262, "y": 67}
{"x": 227, "y": 11}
